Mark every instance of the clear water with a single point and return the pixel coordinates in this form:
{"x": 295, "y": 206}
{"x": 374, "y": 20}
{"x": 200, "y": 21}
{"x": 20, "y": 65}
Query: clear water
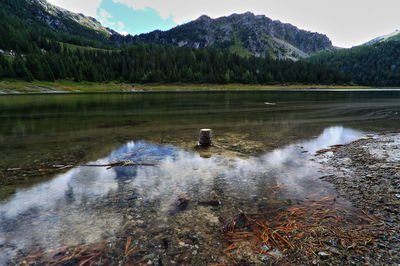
{"x": 263, "y": 158}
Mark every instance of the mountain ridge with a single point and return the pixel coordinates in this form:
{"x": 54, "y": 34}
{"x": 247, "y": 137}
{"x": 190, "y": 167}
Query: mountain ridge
{"x": 53, "y": 23}
{"x": 56, "y": 13}
{"x": 244, "y": 34}
{"x": 256, "y": 34}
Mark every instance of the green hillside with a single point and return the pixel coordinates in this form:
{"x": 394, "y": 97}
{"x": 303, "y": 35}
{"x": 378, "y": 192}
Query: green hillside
{"x": 373, "y": 65}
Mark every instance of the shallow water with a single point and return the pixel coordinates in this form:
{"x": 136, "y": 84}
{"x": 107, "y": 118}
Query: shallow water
{"x": 263, "y": 159}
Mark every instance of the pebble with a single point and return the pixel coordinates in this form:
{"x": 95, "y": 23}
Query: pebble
{"x": 331, "y": 243}
{"x": 346, "y": 161}
{"x": 149, "y": 256}
{"x": 276, "y": 253}
{"x": 265, "y": 247}
{"x": 334, "y": 250}
{"x": 323, "y": 255}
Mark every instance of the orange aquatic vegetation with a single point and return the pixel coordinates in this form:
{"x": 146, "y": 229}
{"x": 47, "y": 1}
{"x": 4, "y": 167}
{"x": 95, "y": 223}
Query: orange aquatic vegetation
{"x": 77, "y": 255}
{"x": 300, "y": 232}
{"x": 128, "y": 250}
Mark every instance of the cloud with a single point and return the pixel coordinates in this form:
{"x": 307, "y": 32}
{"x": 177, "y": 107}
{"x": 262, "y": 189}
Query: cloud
{"x": 103, "y": 14}
{"x": 182, "y": 11}
{"x": 87, "y": 7}
{"x": 127, "y": 20}
{"x": 121, "y": 25}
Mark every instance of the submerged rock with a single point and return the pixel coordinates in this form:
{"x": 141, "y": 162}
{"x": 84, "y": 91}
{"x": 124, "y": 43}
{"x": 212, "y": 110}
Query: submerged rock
{"x": 323, "y": 255}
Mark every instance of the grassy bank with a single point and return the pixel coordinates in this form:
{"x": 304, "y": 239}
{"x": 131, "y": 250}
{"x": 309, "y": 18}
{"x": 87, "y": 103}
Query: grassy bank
{"x": 15, "y": 86}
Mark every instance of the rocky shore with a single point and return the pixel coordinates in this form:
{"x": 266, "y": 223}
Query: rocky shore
{"x": 367, "y": 172}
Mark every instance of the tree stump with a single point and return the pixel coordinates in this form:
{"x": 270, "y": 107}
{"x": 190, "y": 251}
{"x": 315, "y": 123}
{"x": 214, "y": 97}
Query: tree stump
{"x": 205, "y": 138}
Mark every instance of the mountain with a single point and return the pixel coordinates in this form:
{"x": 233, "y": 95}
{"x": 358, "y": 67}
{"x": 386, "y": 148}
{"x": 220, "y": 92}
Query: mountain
{"x": 62, "y": 19}
{"x": 394, "y": 36}
{"x": 241, "y": 33}
{"x": 39, "y": 41}
{"x": 244, "y": 34}
{"x": 51, "y": 22}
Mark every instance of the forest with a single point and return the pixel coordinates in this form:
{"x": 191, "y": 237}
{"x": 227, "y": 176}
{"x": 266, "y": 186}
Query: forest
{"x": 147, "y": 63}
{"x": 373, "y": 65}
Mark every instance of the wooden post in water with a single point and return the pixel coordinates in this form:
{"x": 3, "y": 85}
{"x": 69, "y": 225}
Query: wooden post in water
{"x": 205, "y": 138}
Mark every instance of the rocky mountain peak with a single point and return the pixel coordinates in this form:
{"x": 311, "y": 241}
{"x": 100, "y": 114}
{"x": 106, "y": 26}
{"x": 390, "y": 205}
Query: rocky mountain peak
{"x": 245, "y": 33}
{"x": 57, "y": 17}
{"x": 204, "y": 18}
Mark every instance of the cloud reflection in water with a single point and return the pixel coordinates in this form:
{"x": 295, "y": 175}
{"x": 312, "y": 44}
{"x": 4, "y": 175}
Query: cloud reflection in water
{"x": 61, "y": 211}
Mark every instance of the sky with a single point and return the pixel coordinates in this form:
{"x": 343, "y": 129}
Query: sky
{"x": 346, "y": 22}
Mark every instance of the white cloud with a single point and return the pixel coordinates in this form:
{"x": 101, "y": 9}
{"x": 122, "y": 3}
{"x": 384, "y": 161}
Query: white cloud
{"x": 103, "y": 14}
{"x": 106, "y": 17}
{"x": 121, "y": 25}
{"x": 87, "y": 7}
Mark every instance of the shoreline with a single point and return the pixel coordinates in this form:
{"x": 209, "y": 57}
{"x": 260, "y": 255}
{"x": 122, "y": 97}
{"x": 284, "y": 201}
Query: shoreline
{"x": 14, "y": 87}
{"x": 366, "y": 172}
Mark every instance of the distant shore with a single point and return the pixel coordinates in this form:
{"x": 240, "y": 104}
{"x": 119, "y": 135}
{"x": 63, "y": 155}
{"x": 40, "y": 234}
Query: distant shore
{"x": 66, "y": 86}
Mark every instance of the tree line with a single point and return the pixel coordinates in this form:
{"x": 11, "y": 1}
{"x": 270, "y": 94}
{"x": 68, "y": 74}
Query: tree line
{"x": 371, "y": 65}
{"x": 148, "y": 63}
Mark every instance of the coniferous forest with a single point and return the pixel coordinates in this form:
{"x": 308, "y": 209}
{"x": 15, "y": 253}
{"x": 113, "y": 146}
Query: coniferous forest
{"x": 372, "y": 65}
{"x": 144, "y": 63}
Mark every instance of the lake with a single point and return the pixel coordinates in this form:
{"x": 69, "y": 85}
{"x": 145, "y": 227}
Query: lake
{"x": 262, "y": 161}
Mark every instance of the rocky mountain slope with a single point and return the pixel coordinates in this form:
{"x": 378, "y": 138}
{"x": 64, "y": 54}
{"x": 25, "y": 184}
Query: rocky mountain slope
{"x": 39, "y": 14}
{"x": 56, "y": 17}
{"x": 394, "y": 36}
{"x": 242, "y": 33}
